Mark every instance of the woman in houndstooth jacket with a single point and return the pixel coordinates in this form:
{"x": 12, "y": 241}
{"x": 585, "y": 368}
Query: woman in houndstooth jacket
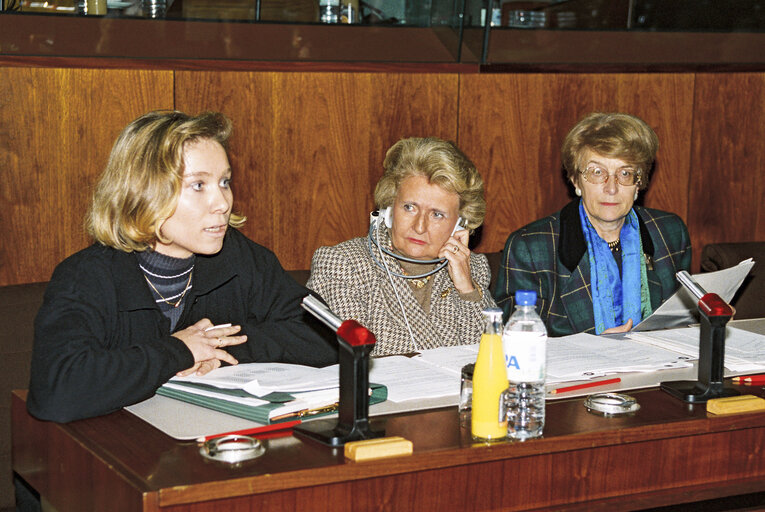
{"x": 414, "y": 282}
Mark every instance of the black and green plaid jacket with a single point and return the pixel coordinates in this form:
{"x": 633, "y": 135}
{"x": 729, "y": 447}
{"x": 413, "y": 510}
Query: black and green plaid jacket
{"x": 548, "y": 256}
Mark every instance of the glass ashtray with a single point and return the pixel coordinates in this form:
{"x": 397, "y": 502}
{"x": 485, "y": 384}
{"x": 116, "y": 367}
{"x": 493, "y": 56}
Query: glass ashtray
{"x": 232, "y": 449}
{"x": 611, "y": 404}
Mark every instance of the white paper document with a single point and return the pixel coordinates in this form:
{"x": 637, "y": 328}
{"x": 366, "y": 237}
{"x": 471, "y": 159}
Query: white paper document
{"x": 585, "y": 356}
{"x": 411, "y": 378}
{"x": 744, "y": 350}
{"x": 435, "y": 373}
{"x": 260, "y": 379}
{"x": 681, "y": 309}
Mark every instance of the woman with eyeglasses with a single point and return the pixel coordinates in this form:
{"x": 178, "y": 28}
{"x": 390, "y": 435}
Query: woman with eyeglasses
{"x": 601, "y": 264}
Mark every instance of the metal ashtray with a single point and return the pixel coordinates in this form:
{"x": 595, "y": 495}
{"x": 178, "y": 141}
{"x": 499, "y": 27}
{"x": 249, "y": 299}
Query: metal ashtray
{"x": 611, "y": 404}
{"x": 232, "y": 449}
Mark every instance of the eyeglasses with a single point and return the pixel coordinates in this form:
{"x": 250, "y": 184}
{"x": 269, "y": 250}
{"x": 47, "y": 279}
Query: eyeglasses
{"x": 626, "y": 176}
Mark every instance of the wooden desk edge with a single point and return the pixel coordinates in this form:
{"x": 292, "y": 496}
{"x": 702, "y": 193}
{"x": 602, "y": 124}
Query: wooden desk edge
{"x": 424, "y": 461}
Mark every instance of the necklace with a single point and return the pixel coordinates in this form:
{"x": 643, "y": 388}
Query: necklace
{"x": 417, "y": 283}
{"x": 615, "y": 246}
{"x": 420, "y": 283}
{"x": 183, "y": 294}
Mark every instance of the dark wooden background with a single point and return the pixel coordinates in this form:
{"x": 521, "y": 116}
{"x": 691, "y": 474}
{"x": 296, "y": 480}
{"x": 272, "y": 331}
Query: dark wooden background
{"x": 307, "y": 147}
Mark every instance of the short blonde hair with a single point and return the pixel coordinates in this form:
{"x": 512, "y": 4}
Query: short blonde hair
{"x": 443, "y": 164}
{"x": 613, "y": 135}
{"x": 139, "y": 188}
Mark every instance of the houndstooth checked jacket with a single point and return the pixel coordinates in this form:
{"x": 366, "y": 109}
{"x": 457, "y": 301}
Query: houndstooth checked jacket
{"x": 354, "y": 286}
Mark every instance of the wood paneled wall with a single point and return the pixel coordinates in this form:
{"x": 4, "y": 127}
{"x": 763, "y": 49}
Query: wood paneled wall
{"x": 307, "y": 147}
{"x": 57, "y": 127}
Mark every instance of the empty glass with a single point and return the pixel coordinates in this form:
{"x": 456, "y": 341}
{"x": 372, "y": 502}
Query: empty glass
{"x": 466, "y": 388}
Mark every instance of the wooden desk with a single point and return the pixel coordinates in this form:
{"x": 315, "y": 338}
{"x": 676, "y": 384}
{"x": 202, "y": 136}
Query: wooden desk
{"x": 668, "y": 452}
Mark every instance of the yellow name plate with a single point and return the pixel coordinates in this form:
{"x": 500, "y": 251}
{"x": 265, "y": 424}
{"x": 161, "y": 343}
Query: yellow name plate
{"x": 735, "y": 404}
{"x": 370, "y": 449}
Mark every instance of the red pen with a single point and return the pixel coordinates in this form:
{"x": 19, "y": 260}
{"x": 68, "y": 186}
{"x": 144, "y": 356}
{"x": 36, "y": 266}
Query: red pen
{"x": 751, "y": 380}
{"x": 586, "y": 385}
{"x": 274, "y": 427}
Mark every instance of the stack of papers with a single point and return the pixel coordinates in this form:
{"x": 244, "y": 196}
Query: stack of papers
{"x": 265, "y": 392}
{"x": 586, "y": 356}
{"x": 744, "y": 351}
{"x": 431, "y": 374}
{"x": 270, "y": 392}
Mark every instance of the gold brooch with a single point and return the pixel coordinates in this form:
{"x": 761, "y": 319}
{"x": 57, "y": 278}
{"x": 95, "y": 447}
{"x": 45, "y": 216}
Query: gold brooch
{"x": 420, "y": 283}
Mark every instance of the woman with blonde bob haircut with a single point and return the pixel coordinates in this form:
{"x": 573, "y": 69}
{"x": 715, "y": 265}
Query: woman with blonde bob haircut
{"x": 140, "y": 186}
{"x": 444, "y": 165}
{"x": 602, "y": 263}
{"x": 170, "y": 287}
{"x": 413, "y": 281}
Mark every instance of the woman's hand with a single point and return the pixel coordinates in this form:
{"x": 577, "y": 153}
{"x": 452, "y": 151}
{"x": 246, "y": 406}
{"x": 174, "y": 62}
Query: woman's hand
{"x": 206, "y": 343}
{"x": 201, "y": 368}
{"x": 619, "y": 328}
{"x": 456, "y": 251}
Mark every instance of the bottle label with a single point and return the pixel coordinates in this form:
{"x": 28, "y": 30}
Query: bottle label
{"x": 525, "y": 356}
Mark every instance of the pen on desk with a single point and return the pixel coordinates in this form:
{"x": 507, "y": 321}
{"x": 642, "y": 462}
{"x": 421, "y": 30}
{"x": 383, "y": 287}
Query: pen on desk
{"x": 307, "y": 412}
{"x": 221, "y": 326}
{"x": 586, "y": 385}
{"x": 253, "y": 431}
{"x": 751, "y": 380}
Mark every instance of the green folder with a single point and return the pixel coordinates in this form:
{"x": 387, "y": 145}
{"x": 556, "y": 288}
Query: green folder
{"x": 259, "y": 413}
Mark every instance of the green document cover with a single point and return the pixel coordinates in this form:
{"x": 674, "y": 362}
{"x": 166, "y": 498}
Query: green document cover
{"x": 258, "y": 413}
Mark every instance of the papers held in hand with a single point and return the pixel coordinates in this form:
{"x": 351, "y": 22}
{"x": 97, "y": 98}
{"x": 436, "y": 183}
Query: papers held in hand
{"x": 681, "y": 309}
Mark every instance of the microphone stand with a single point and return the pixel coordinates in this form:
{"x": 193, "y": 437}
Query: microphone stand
{"x": 715, "y": 314}
{"x": 356, "y": 343}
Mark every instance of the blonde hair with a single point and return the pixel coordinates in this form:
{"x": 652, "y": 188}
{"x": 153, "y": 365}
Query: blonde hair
{"x": 613, "y": 135}
{"x": 139, "y": 188}
{"x": 443, "y": 164}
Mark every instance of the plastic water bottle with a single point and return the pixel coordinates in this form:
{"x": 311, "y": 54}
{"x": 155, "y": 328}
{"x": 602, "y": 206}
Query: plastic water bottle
{"x": 489, "y": 420}
{"x": 525, "y": 344}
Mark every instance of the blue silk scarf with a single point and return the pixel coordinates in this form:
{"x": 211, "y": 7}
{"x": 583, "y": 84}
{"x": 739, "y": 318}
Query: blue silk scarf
{"x": 615, "y": 298}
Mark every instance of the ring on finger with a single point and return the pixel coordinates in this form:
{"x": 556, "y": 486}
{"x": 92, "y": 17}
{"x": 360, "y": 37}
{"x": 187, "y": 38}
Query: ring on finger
{"x": 456, "y": 249}
{"x": 220, "y": 342}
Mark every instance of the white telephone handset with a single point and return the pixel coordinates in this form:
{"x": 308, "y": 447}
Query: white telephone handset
{"x": 459, "y": 225}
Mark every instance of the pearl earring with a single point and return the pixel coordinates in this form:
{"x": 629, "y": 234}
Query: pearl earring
{"x": 634, "y": 198}
{"x": 578, "y": 192}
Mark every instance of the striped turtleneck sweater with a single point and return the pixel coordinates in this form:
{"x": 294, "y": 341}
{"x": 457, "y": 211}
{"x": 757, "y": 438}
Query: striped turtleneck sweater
{"x": 169, "y": 280}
